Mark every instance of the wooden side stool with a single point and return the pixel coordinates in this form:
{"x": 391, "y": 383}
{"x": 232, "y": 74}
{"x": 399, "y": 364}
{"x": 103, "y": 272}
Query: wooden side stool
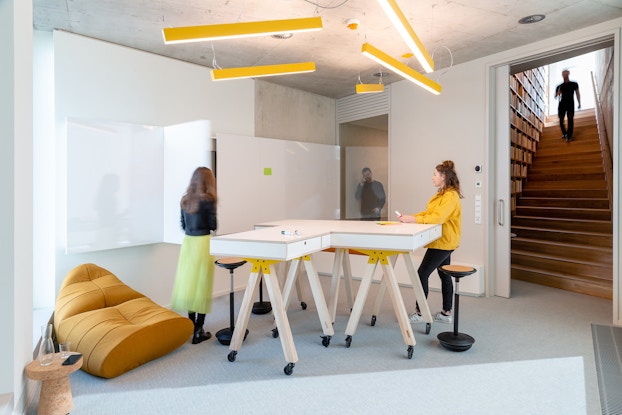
{"x": 55, "y": 397}
{"x": 224, "y": 335}
{"x": 456, "y": 341}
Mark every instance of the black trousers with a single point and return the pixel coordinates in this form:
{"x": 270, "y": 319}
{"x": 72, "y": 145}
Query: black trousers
{"x": 433, "y": 259}
{"x": 563, "y": 111}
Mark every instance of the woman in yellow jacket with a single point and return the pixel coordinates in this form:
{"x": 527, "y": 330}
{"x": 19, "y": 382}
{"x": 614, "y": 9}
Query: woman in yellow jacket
{"x": 443, "y": 208}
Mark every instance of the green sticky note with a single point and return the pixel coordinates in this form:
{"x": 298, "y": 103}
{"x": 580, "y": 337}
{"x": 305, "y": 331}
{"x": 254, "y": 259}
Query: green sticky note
{"x": 267, "y": 171}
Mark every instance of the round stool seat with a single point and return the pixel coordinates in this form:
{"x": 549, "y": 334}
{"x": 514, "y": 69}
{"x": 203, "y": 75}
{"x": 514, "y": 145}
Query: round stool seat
{"x": 457, "y": 271}
{"x": 225, "y": 335}
{"x": 454, "y": 340}
{"x": 230, "y": 263}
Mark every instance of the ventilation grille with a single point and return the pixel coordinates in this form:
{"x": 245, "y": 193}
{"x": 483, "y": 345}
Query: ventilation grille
{"x": 608, "y": 355}
{"x": 361, "y": 106}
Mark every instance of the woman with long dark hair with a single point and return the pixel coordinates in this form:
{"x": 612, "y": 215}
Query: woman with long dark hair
{"x": 192, "y": 291}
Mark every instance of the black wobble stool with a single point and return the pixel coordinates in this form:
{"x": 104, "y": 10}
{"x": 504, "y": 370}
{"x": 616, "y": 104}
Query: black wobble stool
{"x": 261, "y": 306}
{"x": 224, "y": 335}
{"x": 454, "y": 340}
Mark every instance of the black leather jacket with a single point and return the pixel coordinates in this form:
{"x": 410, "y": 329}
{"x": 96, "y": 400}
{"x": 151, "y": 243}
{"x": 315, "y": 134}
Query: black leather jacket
{"x": 201, "y": 222}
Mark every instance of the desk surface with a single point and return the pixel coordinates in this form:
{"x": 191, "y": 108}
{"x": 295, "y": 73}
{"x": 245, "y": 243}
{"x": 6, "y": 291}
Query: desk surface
{"x": 289, "y": 239}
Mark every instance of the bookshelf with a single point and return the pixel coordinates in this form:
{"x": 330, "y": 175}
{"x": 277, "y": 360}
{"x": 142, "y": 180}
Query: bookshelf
{"x": 527, "y": 114}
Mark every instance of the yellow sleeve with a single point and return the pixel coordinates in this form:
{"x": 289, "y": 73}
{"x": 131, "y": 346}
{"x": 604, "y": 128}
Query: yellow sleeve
{"x": 440, "y": 210}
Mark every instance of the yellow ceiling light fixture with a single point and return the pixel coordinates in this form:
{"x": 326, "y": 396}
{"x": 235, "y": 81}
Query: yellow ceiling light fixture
{"x": 260, "y": 71}
{"x": 402, "y": 25}
{"x": 237, "y": 30}
{"x": 369, "y": 88}
{"x": 398, "y": 67}
{"x": 362, "y": 88}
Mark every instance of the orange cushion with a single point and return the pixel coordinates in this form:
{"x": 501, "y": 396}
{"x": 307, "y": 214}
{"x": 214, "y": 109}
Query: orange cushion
{"x": 114, "y": 327}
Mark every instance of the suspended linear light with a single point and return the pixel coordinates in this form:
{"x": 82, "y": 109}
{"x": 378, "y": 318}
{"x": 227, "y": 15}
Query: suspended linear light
{"x": 396, "y": 66}
{"x": 402, "y": 25}
{"x": 238, "y": 30}
{"x": 369, "y": 88}
{"x": 259, "y": 71}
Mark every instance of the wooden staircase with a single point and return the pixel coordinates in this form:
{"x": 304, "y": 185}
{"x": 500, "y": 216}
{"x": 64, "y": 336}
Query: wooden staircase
{"x": 563, "y": 222}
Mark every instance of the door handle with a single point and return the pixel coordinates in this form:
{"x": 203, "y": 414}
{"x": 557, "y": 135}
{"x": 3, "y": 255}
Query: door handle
{"x": 500, "y": 212}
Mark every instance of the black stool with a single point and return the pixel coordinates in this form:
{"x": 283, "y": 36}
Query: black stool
{"x": 224, "y": 335}
{"x": 261, "y": 306}
{"x": 455, "y": 341}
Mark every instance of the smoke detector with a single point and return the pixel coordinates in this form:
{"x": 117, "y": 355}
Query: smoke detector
{"x": 353, "y": 24}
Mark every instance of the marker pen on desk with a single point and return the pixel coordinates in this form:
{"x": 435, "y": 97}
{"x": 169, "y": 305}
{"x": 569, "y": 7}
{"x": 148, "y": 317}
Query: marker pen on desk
{"x": 290, "y": 233}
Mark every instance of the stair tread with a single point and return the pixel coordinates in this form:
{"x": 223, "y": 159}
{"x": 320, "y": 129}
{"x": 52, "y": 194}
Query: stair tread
{"x": 574, "y": 260}
{"x": 566, "y": 244}
{"x": 566, "y": 231}
{"x": 564, "y": 219}
{"x": 566, "y": 208}
{"x": 562, "y": 275}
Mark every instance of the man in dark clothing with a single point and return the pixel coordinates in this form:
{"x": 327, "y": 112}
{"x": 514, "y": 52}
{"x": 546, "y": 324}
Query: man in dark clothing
{"x": 371, "y": 194}
{"x": 567, "y": 90}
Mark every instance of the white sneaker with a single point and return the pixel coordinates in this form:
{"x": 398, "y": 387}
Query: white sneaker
{"x": 415, "y": 318}
{"x": 442, "y": 318}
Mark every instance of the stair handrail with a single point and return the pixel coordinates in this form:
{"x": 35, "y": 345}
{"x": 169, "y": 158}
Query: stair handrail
{"x": 605, "y": 149}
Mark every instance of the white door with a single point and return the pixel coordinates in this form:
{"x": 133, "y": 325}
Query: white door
{"x": 501, "y": 144}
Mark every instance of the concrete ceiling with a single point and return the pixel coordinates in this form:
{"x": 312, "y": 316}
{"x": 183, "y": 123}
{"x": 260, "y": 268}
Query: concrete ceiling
{"x": 460, "y": 30}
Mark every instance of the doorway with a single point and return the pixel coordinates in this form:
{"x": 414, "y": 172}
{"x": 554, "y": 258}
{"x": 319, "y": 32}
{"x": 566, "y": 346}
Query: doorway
{"x": 500, "y": 152}
{"x": 363, "y": 145}
{"x": 561, "y": 219}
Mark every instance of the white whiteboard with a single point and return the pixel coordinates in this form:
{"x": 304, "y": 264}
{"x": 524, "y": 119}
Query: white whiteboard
{"x": 186, "y": 147}
{"x": 124, "y": 181}
{"x": 264, "y": 179}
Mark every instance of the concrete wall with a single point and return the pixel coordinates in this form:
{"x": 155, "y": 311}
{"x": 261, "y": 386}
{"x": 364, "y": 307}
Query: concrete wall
{"x": 290, "y": 114}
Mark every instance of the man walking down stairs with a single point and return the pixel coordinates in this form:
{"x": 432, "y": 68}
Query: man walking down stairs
{"x": 563, "y": 221}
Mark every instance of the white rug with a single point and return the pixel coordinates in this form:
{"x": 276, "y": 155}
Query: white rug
{"x": 549, "y": 386}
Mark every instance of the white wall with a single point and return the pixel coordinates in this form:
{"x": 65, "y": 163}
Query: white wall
{"x": 16, "y": 208}
{"x": 103, "y": 81}
{"x": 424, "y": 130}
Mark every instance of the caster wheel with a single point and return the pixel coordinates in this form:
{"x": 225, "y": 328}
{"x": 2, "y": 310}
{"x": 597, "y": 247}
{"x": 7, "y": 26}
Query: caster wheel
{"x": 289, "y": 369}
{"x": 373, "y": 320}
{"x": 427, "y": 328}
{"x": 348, "y": 341}
{"x": 326, "y": 340}
{"x": 232, "y": 355}
{"x": 303, "y": 305}
{"x": 275, "y": 333}
{"x": 410, "y": 351}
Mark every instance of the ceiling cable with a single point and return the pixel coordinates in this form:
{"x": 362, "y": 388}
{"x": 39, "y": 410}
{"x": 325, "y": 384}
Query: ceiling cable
{"x": 214, "y": 63}
{"x": 317, "y": 5}
{"x": 451, "y": 61}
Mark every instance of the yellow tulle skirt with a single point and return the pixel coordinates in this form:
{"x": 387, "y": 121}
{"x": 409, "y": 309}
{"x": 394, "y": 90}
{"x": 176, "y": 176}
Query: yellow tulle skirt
{"x": 195, "y": 276}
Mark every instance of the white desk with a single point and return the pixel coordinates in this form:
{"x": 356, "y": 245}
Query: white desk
{"x": 266, "y": 246}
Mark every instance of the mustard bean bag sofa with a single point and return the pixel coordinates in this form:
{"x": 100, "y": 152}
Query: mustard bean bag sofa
{"x": 114, "y": 327}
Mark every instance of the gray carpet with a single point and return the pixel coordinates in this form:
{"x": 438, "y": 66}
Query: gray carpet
{"x": 538, "y": 325}
{"x": 551, "y": 386}
{"x": 608, "y": 356}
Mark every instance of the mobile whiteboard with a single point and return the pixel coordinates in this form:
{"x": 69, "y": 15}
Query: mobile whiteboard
{"x": 264, "y": 179}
